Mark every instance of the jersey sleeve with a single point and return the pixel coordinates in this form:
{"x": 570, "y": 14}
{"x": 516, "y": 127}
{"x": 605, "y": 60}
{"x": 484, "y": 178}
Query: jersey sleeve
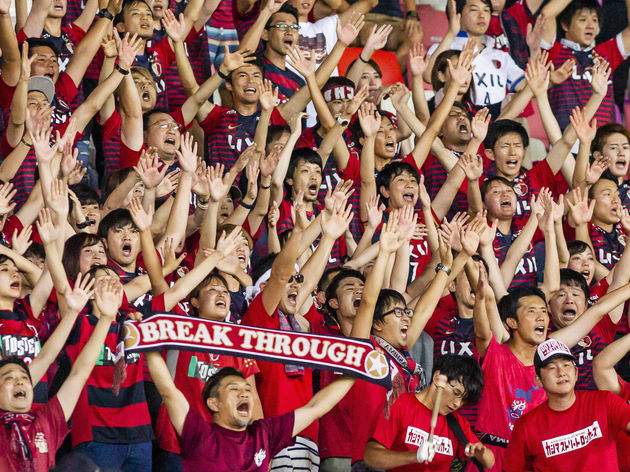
{"x": 618, "y": 413}
{"x": 613, "y": 51}
{"x": 256, "y": 315}
{"x": 280, "y": 430}
{"x": 212, "y": 120}
{"x": 514, "y": 73}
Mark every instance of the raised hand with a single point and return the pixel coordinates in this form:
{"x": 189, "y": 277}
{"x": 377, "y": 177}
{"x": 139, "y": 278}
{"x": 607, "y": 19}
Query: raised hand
{"x": 219, "y": 183}
{"x": 7, "y": 192}
{"x": 399, "y": 93}
{"x": 407, "y": 220}
{"x": 580, "y": 210}
{"x": 227, "y": 244}
{"x": 479, "y": 124}
{"x": 187, "y": 157}
{"x": 298, "y": 212}
{"x": 295, "y": 123}
{"x": 108, "y": 45}
{"x": 546, "y": 220}
{"x": 451, "y": 230}
{"x": 141, "y": 218}
{"x": 37, "y": 119}
{"x": 558, "y": 209}
{"x": 58, "y": 201}
{"x": 273, "y": 215}
{"x": 175, "y": 28}
{"x": 391, "y": 238}
{"x": 454, "y": 18}
{"x": 236, "y": 59}
{"x": 45, "y": 226}
{"x": 423, "y": 195}
{"x": 168, "y": 185}
{"x": 534, "y": 34}
{"x": 359, "y": 97}
{"x": 108, "y": 296}
{"x": 563, "y": 72}
{"x": 128, "y": 48}
{"x": 378, "y": 37}
{"x": 600, "y": 75}
{"x": 472, "y": 166}
{"x": 26, "y": 62}
{"x": 585, "y": 131}
{"x": 148, "y": 169}
{"x": 252, "y": 171}
{"x": 537, "y": 74}
{"x": 83, "y": 290}
{"x": 273, "y": 6}
{"x": 304, "y": 64}
{"x": 268, "y": 95}
{"x": 171, "y": 260}
{"x": 21, "y": 241}
{"x": 595, "y": 169}
{"x": 200, "y": 183}
{"x": 347, "y": 33}
{"x": 374, "y": 212}
{"x": 624, "y": 217}
{"x": 418, "y": 59}
{"x": 269, "y": 162}
{"x": 343, "y": 191}
{"x": 446, "y": 255}
{"x": 469, "y": 238}
{"x": 461, "y": 72}
{"x": 370, "y": 119}
{"x": 40, "y": 138}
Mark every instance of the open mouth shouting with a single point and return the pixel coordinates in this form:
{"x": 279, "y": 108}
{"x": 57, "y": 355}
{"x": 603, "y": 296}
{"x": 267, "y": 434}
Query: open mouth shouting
{"x": 540, "y": 331}
{"x": 506, "y": 203}
{"x": 512, "y": 164}
{"x": 250, "y": 90}
{"x": 292, "y": 297}
{"x": 19, "y": 394}
{"x": 16, "y": 285}
{"x": 145, "y": 96}
{"x": 569, "y": 315}
{"x": 390, "y": 146}
{"x": 221, "y": 303}
{"x": 621, "y": 164}
{"x": 403, "y": 331}
{"x": 126, "y": 250}
{"x": 408, "y": 197}
{"x": 242, "y": 409}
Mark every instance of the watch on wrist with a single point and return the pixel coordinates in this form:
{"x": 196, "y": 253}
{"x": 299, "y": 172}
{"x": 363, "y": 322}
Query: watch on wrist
{"x": 412, "y": 14}
{"x": 105, "y": 14}
{"x": 440, "y": 267}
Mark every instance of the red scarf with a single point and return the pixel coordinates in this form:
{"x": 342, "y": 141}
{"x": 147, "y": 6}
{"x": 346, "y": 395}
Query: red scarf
{"x": 18, "y": 425}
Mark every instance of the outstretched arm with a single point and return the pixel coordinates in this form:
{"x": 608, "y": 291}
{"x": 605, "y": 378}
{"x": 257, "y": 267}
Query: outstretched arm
{"x": 604, "y": 371}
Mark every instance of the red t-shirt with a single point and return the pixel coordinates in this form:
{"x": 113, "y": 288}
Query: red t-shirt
{"x": 210, "y": 447}
{"x": 509, "y": 392}
{"x": 192, "y": 370}
{"x": 623, "y": 438}
{"x": 47, "y": 432}
{"x": 407, "y": 428}
{"x": 278, "y": 392}
{"x": 581, "y": 437}
{"x": 598, "y": 290}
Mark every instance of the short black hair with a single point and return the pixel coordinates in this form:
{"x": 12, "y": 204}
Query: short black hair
{"x": 35, "y": 250}
{"x": 326, "y": 279}
{"x": 393, "y": 170}
{"x": 331, "y": 290}
{"x": 16, "y": 360}
{"x": 303, "y": 154}
{"x": 509, "y": 304}
{"x": 258, "y": 62}
{"x": 574, "y": 7}
{"x": 37, "y": 42}
{"x": 357, "y": 131}
{"x": 117, "y": 218}
{"x": 462, "y": 369}
{"x": 147, "y": 115}
{"x": 275, "y": 131}
{"x": 285, "y": 8}
{"x": 211, "y": 388}
{"x": 86, "y": 195}
{"x": 486, "y": 185}
{"x": 386, "y": 298}
{"x": 603, "y": 178}
{"x": 604, "y": 131}
{"x": 460, "y": 4}
{"x": 578, "y": 247}
{"x": 127, "y": 4}
{"x": 572, "y": 278}
{"x": 500, "y": 128}
{"x": 262, "y": 266}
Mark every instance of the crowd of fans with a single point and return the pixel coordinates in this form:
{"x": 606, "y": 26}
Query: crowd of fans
{"x": 213, "y": 159}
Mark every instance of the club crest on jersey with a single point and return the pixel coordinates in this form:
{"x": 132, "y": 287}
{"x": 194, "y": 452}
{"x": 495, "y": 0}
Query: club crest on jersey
{"x": 496, "y": 63}
{"x": 156, "y": 68}
{"x": 521, "y": 189}
{"x": 623, "y": 238}
{"x": 586, "y": 341}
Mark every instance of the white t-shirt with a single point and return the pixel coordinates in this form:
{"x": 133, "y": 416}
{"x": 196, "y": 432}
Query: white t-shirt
{"x": 495, "y": 72}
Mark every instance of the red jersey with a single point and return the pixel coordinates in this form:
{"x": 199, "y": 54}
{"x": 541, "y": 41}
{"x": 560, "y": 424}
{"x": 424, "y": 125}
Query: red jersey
{"x": 47, "y": 432}
{"x": 408, "y": 427}
{"x": 190, "y": 371}
{"x": 623, "y": 438}
{"x": 279, "y": 393}
{"x": 582, "y": 437}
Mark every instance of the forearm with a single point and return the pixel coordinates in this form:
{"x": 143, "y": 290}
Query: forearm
{"x": 176, "y": 403}
{"x": 323, "y": 113}
{"x": 420, "y": 99}
{"x": 517, "y": 104}
{"x": 257, "y": 215}
{"x": 176, "y": 226}
{"x": 444, "y": 45}
{"x": 96, "y": 99}
{"x": 518, "y": 249}
{"x": 495, "y": 277}
{"x": 379, "y": 457}
{"x": 604, "y": 364}
{"x": 273, "y": 242}
{"x": 551, "y": 276}
{"x": 208, "y": 231}
{"x": 117, "y": 198}
{"x": 152, "y": 263}
{"x": 86, "y": 17}
{"x": 110, "y": 104}
{"x": 314, "y": 268}
{"x": 561, "y": 245}
{"x": 473, "y": 196}
{"x": 15, "y": 128}
{"x": 426, "y": 305}
{"x": 283, "y": 162}
{"x": 581, "y": 163}
{"x": 185, "y": 71}
{"x": 444, "y": 198}
{"x": 34, "y": 24}
{"x": 365, "y": 242}
{"x": 332, "y": 137}
{"x": 86, "y": 49}
{"x": 187, "y": 283}
{"x": 10, "y": 51}
{"x": 260, "y": 137}
{"x": 400, "y": 270}
{"x": 251, "y": 40}
{"x": 55, "y": 267}
{"x": 368, "y": 181}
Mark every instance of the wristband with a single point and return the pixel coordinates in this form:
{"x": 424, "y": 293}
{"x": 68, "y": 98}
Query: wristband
{"x": 25, "y": 143}
{"x": 363, "y": 60}
{"x": 105, "y": 14}
{"x": 249, "y": 206}
{"x": 121, "y": 70}
{"x": 412, "y": 14}
{"x": 85, "y": 224}
{"x": 202, "y": 206}
{"x": 440, "y": 267}
{"x": 221, "y": 74}
{"x": 265, "y": 186}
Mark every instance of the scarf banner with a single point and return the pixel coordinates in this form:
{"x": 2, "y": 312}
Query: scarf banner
{"x": 355, "y": 357}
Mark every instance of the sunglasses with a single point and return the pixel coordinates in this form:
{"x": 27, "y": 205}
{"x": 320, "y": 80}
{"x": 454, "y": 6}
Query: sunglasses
{"x": 299, "y": 278}
{"x": 284, "y": 27}
{"x": 399, "y": 312}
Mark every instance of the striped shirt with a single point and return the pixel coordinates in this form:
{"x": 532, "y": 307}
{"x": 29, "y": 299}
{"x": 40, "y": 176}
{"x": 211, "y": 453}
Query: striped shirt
{"x": 576, "y": 90}
{"x": 287, "y": 81}
{"x": 608, "y": 247}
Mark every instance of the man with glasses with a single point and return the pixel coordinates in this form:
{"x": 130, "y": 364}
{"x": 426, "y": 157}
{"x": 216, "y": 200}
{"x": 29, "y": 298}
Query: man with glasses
{"x": 399, "y": 437}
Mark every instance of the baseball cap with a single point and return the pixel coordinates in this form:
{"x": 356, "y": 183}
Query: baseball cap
{"x": 43, "y": 84}
{"x": 549, "y": 350}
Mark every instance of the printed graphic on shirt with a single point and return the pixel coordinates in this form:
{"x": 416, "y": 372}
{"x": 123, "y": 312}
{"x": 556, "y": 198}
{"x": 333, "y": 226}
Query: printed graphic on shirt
{"x": 26, "y": 347}
{"x": 202, "y": 370}
{"x": 260, "y": 456}
{"x": 518, "y": 406}
{"x": 571, "y": 442}
{"x": 417, "y": 437}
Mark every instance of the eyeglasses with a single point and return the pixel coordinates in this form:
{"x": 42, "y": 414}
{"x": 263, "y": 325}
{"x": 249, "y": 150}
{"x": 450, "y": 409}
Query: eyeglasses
{"x": 167, "y": 124}
{"x": 399, "y": 312}
{"x": 284, "y": 27}
{"x": 299, "y": 278}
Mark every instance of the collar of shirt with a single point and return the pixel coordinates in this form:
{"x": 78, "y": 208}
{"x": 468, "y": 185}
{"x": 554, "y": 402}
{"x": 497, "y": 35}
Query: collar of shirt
{"x": 462, "y": 37}
{"x": 575, "y": 46}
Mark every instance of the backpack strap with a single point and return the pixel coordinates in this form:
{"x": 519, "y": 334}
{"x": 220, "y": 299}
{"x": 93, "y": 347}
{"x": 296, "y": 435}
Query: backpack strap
{"x": 461, "y": 436}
